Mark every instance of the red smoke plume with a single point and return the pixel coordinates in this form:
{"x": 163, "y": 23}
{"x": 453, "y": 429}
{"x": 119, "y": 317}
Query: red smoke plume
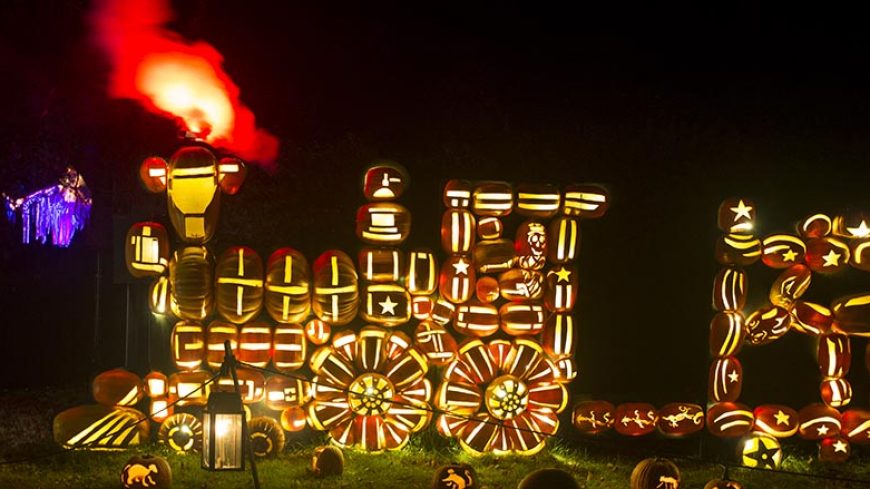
{"x": 176, "y": 78}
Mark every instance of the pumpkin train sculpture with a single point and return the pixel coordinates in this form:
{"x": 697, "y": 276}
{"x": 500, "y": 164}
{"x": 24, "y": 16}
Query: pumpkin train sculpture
{"x": 368, "y": 349}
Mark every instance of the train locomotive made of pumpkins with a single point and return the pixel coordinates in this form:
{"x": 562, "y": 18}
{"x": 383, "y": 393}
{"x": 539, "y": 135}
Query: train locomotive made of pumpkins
{"x": 369, "y": 350}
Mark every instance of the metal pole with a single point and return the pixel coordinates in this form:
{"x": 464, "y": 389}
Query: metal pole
{"x": 230, "y": 362}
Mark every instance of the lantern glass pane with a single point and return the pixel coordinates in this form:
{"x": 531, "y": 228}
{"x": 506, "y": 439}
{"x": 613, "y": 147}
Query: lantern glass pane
{"x": 206, "y": 440}
{"x": 228, "y": 441}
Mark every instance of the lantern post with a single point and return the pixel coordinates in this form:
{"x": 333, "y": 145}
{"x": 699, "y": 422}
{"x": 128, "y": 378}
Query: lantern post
{"x": 226, "y": 440}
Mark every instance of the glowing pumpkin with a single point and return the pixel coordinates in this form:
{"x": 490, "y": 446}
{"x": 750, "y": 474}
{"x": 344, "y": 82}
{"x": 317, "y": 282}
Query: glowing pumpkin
{"x": 146, "y": 472}
{"x": 593, "y": 417}
{"x": 563, "y": 236}
{"x": 384, "y": 181}
{"x": 422, "y": 276}
{"x": 384, "y": 223}
{"x": 538, "y": 200}
{"x": 191, "y": 285}
{"x": 811, "y": 318}
{"x": 679, "y": 419}
{"x": 152, "y": 174}
{"x": 836, "y": 392}
{"x": 827, "y": 255}
{"x": 327, "y": 461}
{"x": 156, "y": 384}
{"x": 782, "y": 250}
{"x": 476, "y": 319}
{"x": 187, "y": 388}
{"x": 486, "y": 289}
{"x": 530, "y": 245}
{"x": 776, "y": 421}
{"x": 856, "y": 426}
{"x": 181, "y": 432}
{"x": 835, "y": 355}
{"x": 815, "y": 226}
{"x": 635, "y": 419}
{"x": 489, "y": 228}
{"x": 219, "y": 332}
{"x": 231, "y": 175}
{"x": 852, "y": 314}
{"x": 457, "y": 231}
{"x": 457, "y": 194}
{"x": 560, "y": 289}
{"x": 421, "y": 307}
{"x": 520, "y": 285}
{"x": 518, "y": 319}
{"x": 655, "y": 473}
{"x": 435, "y": 342}
{"x": 117, "y": 387}
{"x": 255, "y": 344}
{"x": 317, "y": 332}
{"x": 267, "y": 437}
{"x": 818, "y": 421}
{"x": 790, "y": 286}
{"x": 336, "y": 294}
{"x": 558, "y": 335}
{"x": 729, "y": 419}
{"x": 851, "y": 225}
{"x": 159, "y": 298}
{"x": 252, "y": 385}
{"x": 767, "y": 324}
{"x": 289, "y": 347}
{"x": 193, "y": 194}
{"x": 493, "y": 255}
{"x": 726, "y": 334}
{"x": 457, "y": 279}
{"x": 146, "y": 249}
{"x": 760, "y": 450}
{"x": 835, "y": 449}
{"x": 381, "y": 265}
{"x": 443, "y": 311}
{"x": 286, "y": 392}
{"x": 385, "y": 304}
{"x": 736, "y": 215}
{"x": 738, "y": 249}
{"x": 99, "y": 427}
{"x": 188, "y": 345}
{"x": 729, "y": 290}
{"x": 288, "y": 286}
{"x": 585, "y": 201}
{"x": 492, "y": 199}
{"x": 239, "y": 284}
{"x": 293, "y": 419}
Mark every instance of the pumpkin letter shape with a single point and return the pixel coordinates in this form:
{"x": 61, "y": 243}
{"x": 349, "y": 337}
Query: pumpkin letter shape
{"x": 457, "y": 231}
{"x": 288, "y": 286}
{"x": 146, "y": 472}
{"x": 239, "y": 284}
{"x": 117, "y": 387}
{"x": 564, "y": 238}
{"x": 190, "y": 278}
{"x": 146, "y": 249}
{"x": 188, "y": 345}
{"x": 538, "y": 200}
{"x": 655, "y": 473}
{"x": 336, "y": 296}
{"x": 193, "y": 195}
{"x": 585, "y": 201}
{"x": 493, "y": 199}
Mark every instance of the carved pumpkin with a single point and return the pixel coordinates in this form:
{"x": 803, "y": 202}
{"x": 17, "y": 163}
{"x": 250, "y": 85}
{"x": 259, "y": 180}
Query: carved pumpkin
{"x": 563, "y": 236}
{"x": 336, "y": 296}
{"x": 560, "y": 289}
{"x": 457, "y": 278}
{"x": 738, "y": 249}
{"x": 726, "y": 334}
{"x": 187, "y": 388}
{"x": 100, "y": 427}
{"x": 593, "y": 417}
{"x": 835, "y": 449}
{"x": 558, "y": 336}
{"x": 760, "y": 450}
{"x": 383, "y": 223}
{"x": 725, "y": 381}
{"x": 790, "y": 286}
{"x": 289, "y": 347}
{"x": 518, "y": 319}
{"x": 152, "y": 174}
{"x": 267, "y": 437}
{"x": 486, "y": 289}
{"x": 723, "y": 484}
{"x": 327, "y": 461}
{"x": 521, "y": 285}
{"x": 585, "y": 201}
{"x": 219, "y": 332}
{"x": 385, "y": 304}
{"x": 835, "y": 355}
{"x": 188, "y": 345}
{"x": 836, "y": 392}
{"x": 548, "y": 479}
{"x": 776, "y": 421}
{"x": 443, "y": 311}
{"x": 811, "y": 318}
{"x": 860, "y": 252}
{"x": 285, "y": 392}
{"x": 422, "y": 273}
{"x": 736, "y": 215}
{"x": 476, "y": 319}
{"x": 381, "y": 265}
{"x": 852, "y": 314}
{"x": 317, "y": 332}
{"x": 239, "y": 284}
{"x": 530, "y": 245}
{"x": 767, "y": 324}
{"x": 231, "y": 174}
{"x": 635, "y": 419}
{"x": 287, "y": 297}
{"x": 435, "y": 342}
{"x": 191, "y": 285}
{"x": 729, "y": 290}
{"x": 457, "y": 231}
{"x": 489, "y": 228}
{"x": 146, "y": 472}
{"x": 193, "y": 195}
{"x": 159, "y": 298}
{"x": 492, "y": 199}
{"x": 827, "y": 255}
{"x": 457, "y": 194}
{"x": 159, "y": 408}
{"x": 680, "y": 419}
{"x": 815, "y": 226}
{"x": 493, "y": 255}
{"x": 729, "y": 419}
{"x": 156, "y": 384}
{"x": 782, "y": 250}
{"x": 117, "y": 387}
{"x": 255, "y": 344}
{"x": 818, "y": 421}
{"x": 455, "y": 476}
{"x": 538, "y": 200}
{"x": 293, "y": 419}
{"x": 146, "y": 249}
{"x": 856, "y": 426}
{"x": 655, "y": 473}
{"x": 851, "y": 225}
{"x": 252, "y": 385}
{"x": 385, "y": 180}
{"x": 181, "y": 432}
{"x": 421, "y": 307}
{"x": 566, "y": 370}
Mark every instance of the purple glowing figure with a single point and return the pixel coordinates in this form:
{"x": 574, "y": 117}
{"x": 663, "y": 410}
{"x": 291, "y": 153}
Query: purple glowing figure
{"x": 59, "y": 210}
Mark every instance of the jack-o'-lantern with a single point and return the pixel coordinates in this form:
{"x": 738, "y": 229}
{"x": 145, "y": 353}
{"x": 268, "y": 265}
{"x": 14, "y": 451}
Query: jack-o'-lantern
{"x": 252, "y": 385}
{"x": 191, "y": 286}
{"x": 317, "y": 332}
{"x": 723, "y": 484}
{"x": 815, "y": 226}
{"x": 156, "y": 384}
{"x": 384, "y": 181}
{"x": 457, "y": 278}
{"x": 476, "y": 319}
{"x": 146, "y": 472}
{"x": 188, "y": 387}
{"x": 729, "y": 419}
{"x": 520, "y": 319}
{"x": 521, "y": 285}
{"x": 267, "y": 436}
{"x": 767, "y": 324}
{"x": 457, "y": 231}
{"x": 852, "y": 314}
{"x": 455, "y": 476}
{"x": 327, "y": 461}
{"x": 457, "y": 194}
{"x": 760, "y": 450}
{"x": 422, "y": 276}
{"x": 381, "y": 265}
{"x": 255, "y": 344}
{"x": 558, "y": 335}
{"x": 856, "y": 426}
{"x": 818, "y": 421}
{"x": 285, "y": 392}
{"x": 851, "y": 225}
{"x": 181, "y": 432}
{"x": 738, "y": 249}
{"x": 736, "y": 215}
{"x": 231, "y": 174}
{"x": 811, "y": 318}
{"x": 563, "y": 236}
{"x": 835, "y": 355}
{"x": 117, "y": 387}
{"x": 443, "y": 311}
{"x": 159, "y": 408}
{"x": 835, "y": 449}
{"x": 860, "y": 252}
{"x": 729, "y": 290}
{"x": 538, "y": 200}
{"x": 159, "y": 298}
{"x": 336, "y": 296}
{"x": 776, "y": 421}
{"x": 288, "y": 286}
{"x": 219, "y": 332}
{"x": 593, "y": 417}
{"x": 385, "y": 304}
{"x": 493, "y": 255}
{"x": 492, "y": 199}
{"x": 836, "y": 392}
{"x": 383, "y": 223}
{"x": 146, "y": 249}
{"x": 293, "y": 419}
{"x": 782, "y": 250}
{"x": 790, "y": 286}
{"x": 152, "y": 174}
{"x": 827, "y": 255}
{"x": 560, "y": 289}
{"x": 99, "y": 427}
{"x": 635, "y": 419}
{"x": 421, "y": 307}
{"x": 530, "y": 245}
{"x": 679, "y": 419}
{"x": 239, "y": 284}
{"x": 486, "y": 289}
{"x": 188, "y": 345}
{"x": 489, "y": 228}
{"x": 289, "y": 347}
{"x": 193, "y": 194}
{"x": 655, "y": 473}
{"x": 435, "y": 342}
{"x": 726, "y": 334}
{"x": 566, "y": 369}
{"x": 585, "y": 201}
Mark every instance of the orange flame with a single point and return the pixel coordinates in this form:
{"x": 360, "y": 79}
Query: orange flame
{"x": 176, "y": 78}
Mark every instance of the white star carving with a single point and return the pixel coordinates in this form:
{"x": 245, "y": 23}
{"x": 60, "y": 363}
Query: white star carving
{"x": 823, "y": 430}
{"x": 742, "y": 210}
{"x": 840, "y": 446}
{"x": 388, "y": 305}
{"x": 461, "y": 267}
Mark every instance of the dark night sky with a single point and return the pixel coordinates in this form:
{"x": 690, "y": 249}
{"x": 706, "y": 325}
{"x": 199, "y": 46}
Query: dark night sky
{"x": 673, "y": 109}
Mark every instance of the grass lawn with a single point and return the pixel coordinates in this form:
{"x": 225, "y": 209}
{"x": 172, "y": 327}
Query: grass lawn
{"x": 26, "y": 431}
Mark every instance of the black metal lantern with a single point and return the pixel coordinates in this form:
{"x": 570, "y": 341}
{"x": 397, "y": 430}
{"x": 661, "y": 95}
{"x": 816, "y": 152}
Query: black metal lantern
{"x": 224, "y": 437}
